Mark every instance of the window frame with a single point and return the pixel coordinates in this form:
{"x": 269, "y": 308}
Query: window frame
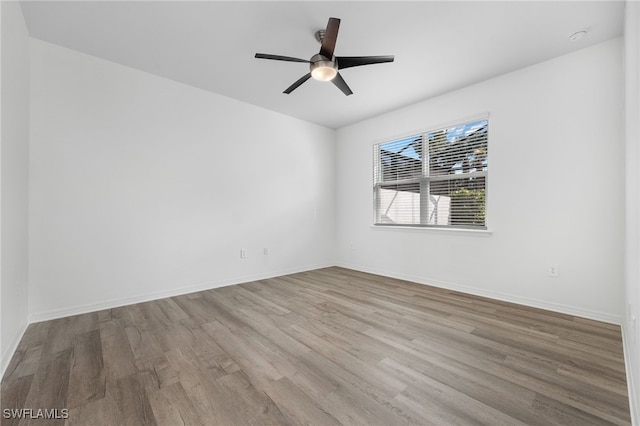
{"x": 425, "y": 180}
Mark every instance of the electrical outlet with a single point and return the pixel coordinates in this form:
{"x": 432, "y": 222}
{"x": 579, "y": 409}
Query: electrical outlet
{"x": 265, "y": 251}
{"x": 243, "y": 253}
{"x": 553, "y": 271}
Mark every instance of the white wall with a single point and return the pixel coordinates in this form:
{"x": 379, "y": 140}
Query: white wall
{"x": 142, "y": 187}
{"x": 14, "y": 154}
{"x": 555, "y": 189}
{"x": 632, "y": 198}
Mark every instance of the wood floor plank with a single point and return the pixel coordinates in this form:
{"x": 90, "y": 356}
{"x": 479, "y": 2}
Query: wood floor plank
{"x": 424, "y": 388}
{"x": 237, "y": 387}
{"x": 365, "y": 372}
{"x": 172, "y": 406}
{"x": 132, "y": 401}
{"x": 13, "y": 396}
{"x": 87, "y": 380}
{"x": 50, "y": 386}
{"x": 116, "y": 350}
{"x": 369, "y": 397}
{"x": 244, "y": 355}
{"x": 322, "y": 347}
{"x": 563, "y": 414}
{"x": 607, "y": 405}
{"x": 98, "y": 412}
{"x": 25, "y": 361}
{"x": 296, "y": 406}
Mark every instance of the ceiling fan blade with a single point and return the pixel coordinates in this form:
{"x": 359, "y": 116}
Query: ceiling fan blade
{"x": 297, "y": 84}
{"x": 342, "y": 85}
{"x": 356, "y": 61}
{"x": 280, "y": 58}
{"x": 330, "y": 37}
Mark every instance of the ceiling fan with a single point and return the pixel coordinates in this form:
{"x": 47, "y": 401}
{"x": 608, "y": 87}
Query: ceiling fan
{"x": 324, "y": 66}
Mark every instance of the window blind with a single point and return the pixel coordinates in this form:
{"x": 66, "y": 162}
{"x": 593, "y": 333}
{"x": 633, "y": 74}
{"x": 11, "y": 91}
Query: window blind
{"x": 437, "y": 178}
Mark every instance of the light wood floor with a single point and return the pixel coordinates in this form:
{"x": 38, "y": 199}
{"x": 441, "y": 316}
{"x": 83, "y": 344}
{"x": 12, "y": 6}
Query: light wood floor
{"x": 325, "y": 347}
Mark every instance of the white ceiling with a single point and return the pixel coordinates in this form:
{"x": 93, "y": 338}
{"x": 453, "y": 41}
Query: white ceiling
{"x": 439, "y": 46}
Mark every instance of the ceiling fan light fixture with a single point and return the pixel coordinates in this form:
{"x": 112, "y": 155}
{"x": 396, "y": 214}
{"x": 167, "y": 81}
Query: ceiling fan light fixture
{"x": 323, "y": 70}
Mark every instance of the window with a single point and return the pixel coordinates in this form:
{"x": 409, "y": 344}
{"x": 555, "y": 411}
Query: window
{"x": 434, "y": 179}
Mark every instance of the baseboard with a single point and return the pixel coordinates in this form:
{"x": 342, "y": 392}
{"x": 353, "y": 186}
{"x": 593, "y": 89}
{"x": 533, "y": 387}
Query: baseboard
{"x": 114, "y": 303}
{"x": 8, "y": 353}
{"x": 634, "y": 397}
{"x": 505, "y": 297}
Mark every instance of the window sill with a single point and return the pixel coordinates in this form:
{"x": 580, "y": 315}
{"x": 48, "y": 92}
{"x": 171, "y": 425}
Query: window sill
{"x": 441, "y": 231}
